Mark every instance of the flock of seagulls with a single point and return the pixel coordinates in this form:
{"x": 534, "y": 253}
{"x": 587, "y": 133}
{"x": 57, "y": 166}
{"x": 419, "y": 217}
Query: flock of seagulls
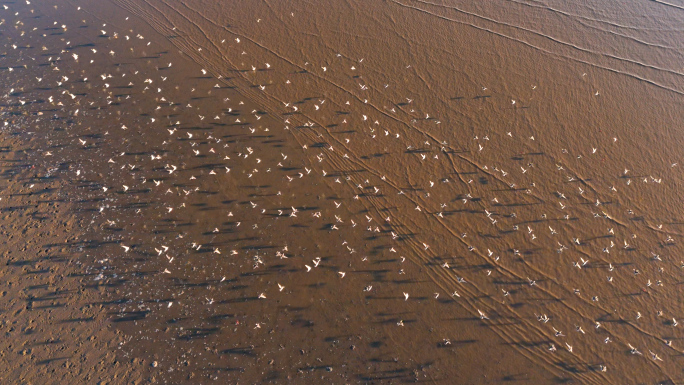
{"x": 435, "y": 203}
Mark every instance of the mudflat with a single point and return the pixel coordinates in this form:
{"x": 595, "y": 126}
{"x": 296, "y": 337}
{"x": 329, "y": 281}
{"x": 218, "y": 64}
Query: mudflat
{"x": 341, "y": 192}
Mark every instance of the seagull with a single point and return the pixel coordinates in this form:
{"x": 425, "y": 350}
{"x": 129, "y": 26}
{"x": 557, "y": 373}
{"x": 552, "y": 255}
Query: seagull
{"x": 482, "y": 315}
{"x": 126, "y": 248}
{"x": 406, "y": 296}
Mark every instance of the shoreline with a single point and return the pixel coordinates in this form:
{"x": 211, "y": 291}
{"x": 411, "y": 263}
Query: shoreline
{"x": 211, "y": 201}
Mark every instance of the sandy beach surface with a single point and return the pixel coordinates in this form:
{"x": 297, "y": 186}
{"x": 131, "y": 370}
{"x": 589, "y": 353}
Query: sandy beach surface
{"x": 341, "y": 192}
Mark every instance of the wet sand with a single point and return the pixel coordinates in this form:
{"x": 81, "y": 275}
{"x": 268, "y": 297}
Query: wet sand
{"x": 342, "y": 192}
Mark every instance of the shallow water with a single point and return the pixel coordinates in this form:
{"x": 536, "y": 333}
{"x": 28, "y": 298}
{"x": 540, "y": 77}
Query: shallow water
{"x": 367, "y": 192}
